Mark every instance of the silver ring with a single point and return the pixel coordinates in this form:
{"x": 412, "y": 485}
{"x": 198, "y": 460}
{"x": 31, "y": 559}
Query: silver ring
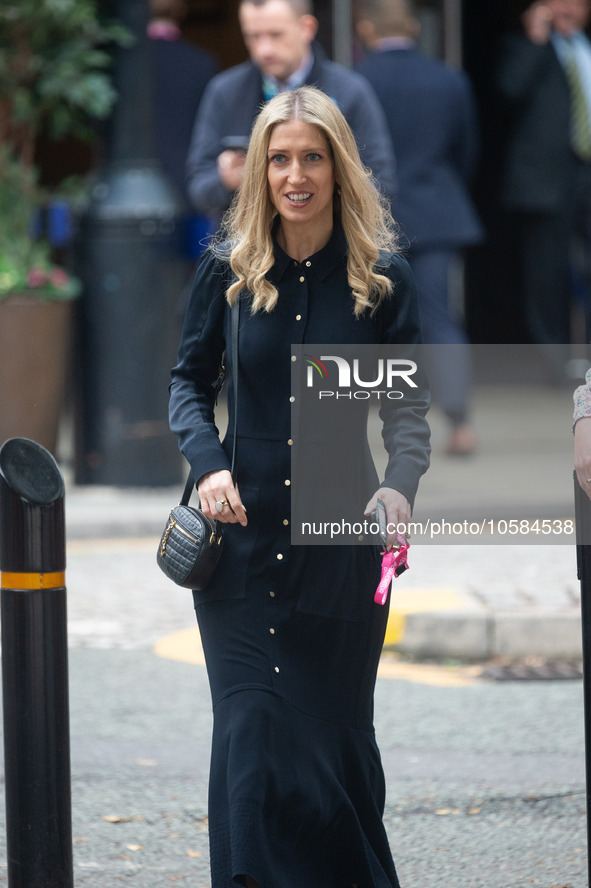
{"x": 220, "y": 505}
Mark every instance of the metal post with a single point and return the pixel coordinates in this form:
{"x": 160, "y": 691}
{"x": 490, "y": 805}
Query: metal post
{"x": 583, "y": 522}
{"x": 35, "y": 668}
{"x": 130, "y": 258}
{"x": 342, "y": 32}
{"x": 452, "y": 32}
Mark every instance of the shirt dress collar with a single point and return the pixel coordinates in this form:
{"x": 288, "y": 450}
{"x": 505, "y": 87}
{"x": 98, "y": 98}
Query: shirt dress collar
{"x": 320, "y": 264}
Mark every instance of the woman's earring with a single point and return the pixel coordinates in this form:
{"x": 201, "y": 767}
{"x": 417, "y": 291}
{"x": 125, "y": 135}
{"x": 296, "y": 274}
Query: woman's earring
{"x": 338, "y": 189}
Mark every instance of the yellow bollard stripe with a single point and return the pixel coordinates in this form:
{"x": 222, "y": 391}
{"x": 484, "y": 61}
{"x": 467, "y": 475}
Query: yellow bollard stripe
{"x": 18, "y": 581}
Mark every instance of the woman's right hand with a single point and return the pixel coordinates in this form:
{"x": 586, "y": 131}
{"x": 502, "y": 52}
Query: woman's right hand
{"x": 218, "y": 487}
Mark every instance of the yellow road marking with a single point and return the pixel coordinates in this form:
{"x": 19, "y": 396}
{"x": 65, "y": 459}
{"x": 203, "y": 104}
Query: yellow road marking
{"x": 425, "y": 673}
{"x": 416, "y": 601}
{"x": 185, "y": 647}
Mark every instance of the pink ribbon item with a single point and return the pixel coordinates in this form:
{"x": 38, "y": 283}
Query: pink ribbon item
{"x": 394, "y": 562}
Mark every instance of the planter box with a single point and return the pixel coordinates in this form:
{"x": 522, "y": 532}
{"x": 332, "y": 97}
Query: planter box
{"x": 34, "y": 352}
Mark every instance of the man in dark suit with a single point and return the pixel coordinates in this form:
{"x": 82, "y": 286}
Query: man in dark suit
{"x": 279, "y": 36}
{"x": 545, "y": 74}
{"x": 431, "y": 117}
{"x": 180, "y": 73}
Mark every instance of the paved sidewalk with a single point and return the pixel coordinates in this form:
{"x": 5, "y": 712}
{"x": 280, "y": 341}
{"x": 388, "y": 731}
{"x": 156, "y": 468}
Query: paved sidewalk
{"x": 514, "y": 596}
{"x": 486, "y": 780}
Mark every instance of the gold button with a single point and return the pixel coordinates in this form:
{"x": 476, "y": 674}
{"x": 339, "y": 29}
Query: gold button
{"x": 298, "y": 317}
{"x": 308, "y": 263}
{"x": 302, "y": 279}
{"x": 272, "y": 631}
{"x": 293, "y": 357}
{"x": 294, "y": 262}
{"x": 280, "y": 557}
{"x": 287, "y": 482}
{"x": 272, "y": 594}
{"x": 285, "y": 521}
{"x": 360, "y": 537}
{"x": 277, "y": 669}
{"x": 290, "y": 441}
{"x": 292, "y": 399}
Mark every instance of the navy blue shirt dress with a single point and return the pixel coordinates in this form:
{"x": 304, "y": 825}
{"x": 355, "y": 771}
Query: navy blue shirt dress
{"x": 291, "y": 634}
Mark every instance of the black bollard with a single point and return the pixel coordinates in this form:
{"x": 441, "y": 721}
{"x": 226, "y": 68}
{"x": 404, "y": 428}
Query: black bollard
{"x": 35, "y": 668}
{"x": 583, "y": 523}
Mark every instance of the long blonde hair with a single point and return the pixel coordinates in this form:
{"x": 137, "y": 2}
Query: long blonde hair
{"x": 363, "y": 213}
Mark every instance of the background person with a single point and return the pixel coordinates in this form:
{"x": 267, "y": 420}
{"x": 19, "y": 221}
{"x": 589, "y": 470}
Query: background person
{"x": 291, "y": 634}
{"x": 545, "y": 75}
{"x": 180, "y": 73}
{"x": 432, "y": 121}
{"x": 279, "y": 36}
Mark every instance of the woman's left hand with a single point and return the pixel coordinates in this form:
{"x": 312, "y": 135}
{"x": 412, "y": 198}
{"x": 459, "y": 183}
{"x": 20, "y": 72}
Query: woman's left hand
{"x": 398, "y": 511}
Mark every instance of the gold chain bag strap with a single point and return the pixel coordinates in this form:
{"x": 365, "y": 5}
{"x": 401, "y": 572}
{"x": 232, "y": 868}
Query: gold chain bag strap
{"x": 191, "y": 544}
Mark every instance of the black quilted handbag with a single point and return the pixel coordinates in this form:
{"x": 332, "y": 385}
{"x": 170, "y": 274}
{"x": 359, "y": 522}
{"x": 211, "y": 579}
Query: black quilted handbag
{"x": 191, "y": 544}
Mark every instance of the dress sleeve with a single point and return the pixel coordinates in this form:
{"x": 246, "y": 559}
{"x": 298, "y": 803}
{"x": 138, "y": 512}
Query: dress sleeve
{"x": 582, "y": 399}
{"x": 192, "y": 393}
{"x": 405, "y": 429}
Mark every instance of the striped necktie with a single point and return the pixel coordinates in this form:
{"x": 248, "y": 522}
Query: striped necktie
{"x": 580, "y": 123}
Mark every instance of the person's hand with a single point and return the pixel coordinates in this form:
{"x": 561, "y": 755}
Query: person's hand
{"x": 218, "y": 487}
{"x": 583, "y": 453}
{"x": 537, "y": 22}
{"x": 398, "y": 511}
{"x": 231, "y": 168}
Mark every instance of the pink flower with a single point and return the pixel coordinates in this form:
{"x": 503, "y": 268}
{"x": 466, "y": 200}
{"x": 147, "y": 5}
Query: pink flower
{"x": 58, "y": 277}
{"x": 36, "y": 278}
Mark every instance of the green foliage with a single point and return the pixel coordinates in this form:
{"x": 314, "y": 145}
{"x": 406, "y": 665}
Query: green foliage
{"x": 55, "y": 57}
{"x": 54, "y": 62}
{"x": 17, "y": 201}
{"x": 25, "y": 262}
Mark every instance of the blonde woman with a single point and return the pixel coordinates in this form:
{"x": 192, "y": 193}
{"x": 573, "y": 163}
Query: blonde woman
{"x": 291, "y": 634}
